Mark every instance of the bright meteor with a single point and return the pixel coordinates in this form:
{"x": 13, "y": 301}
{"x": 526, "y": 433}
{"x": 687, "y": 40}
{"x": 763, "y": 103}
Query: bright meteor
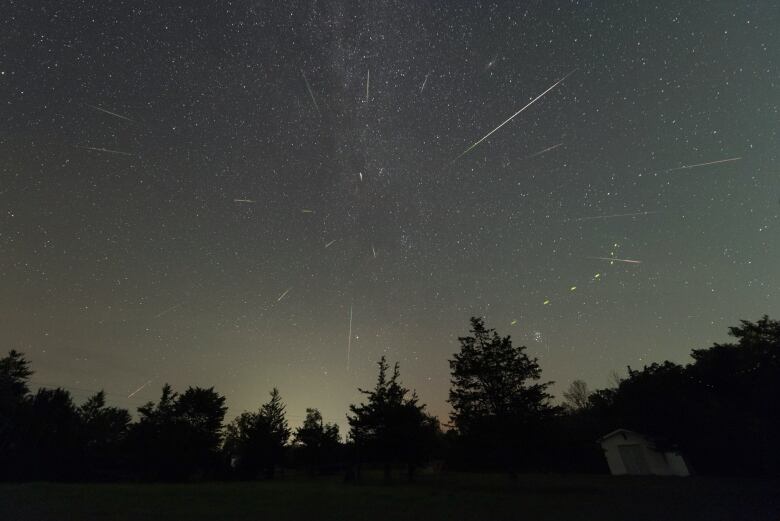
{"x": 283, "y": 294}
{"x": 697, "y": 165}
{"x": 349, "y": 338}
{"x": 629, "y": 261}
{"x": 510, "y": 118}
{"x": 139, "y": 389}
{"x": 96, "y": 149}
{"x": 109, "y": 112}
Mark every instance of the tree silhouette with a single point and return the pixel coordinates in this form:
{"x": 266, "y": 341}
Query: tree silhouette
{"x": 657, "y": 400}
{"x": 318, "y": 442}
{"x": 179, "y": 436}
{"x": 256, "y": 441}
{"x": 243, "y": 444}
{"x": 104, "y": 426}
{"x": 104, "y": 430}
{"x": 392, "y": 427}
{"x": 577, "y": 396}
{"x": 52, "y": 441}
{"x": 155, "y": 438}
{"x": 202, "y": 412}
{"x": 15, "y": 373}
{"x": 719, "y": 410}
{"x": 276, "y": 430}
{"x": 737, "y": 407}
{"x": 494, "y": 400}
{"x": 716, "y": 410}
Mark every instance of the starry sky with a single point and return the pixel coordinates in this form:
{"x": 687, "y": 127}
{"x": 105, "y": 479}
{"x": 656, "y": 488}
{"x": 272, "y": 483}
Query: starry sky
{"x": 202, "y": 194}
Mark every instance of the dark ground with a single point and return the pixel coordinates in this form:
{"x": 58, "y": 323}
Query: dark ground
{"x": 451, "y": 496}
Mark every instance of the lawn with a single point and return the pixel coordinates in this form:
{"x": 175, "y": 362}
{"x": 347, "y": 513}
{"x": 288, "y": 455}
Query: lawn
{"x": 450, "y": 496}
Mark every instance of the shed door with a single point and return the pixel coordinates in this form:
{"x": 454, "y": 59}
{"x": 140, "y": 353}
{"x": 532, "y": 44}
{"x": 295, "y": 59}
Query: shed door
{"x": 634, "y": 459}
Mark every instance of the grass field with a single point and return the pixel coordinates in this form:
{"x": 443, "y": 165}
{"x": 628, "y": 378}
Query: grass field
{"x": 450, "y": 497}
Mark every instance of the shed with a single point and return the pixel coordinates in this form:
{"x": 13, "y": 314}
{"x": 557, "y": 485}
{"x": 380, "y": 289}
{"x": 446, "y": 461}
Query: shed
{"x": 632, "y": 453}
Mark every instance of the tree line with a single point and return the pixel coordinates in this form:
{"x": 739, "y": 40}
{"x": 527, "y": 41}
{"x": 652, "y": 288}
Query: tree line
{"x": 720, "y": 411}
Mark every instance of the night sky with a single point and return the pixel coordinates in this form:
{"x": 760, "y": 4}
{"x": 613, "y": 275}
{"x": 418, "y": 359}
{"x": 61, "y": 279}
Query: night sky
{"x": 201, "y": 194}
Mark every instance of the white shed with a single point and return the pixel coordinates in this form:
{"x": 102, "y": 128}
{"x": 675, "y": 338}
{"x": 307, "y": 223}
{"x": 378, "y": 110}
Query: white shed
{"x": 631, "y": 453}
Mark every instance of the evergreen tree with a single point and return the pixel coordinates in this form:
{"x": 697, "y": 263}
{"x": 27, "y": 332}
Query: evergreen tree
{"x": 256, "y": 441}
{"x": 277, "y": 432}
{"x": 15, "y": 374}
{"x": 392, "y": 427}
{"x": 498, "y": 403}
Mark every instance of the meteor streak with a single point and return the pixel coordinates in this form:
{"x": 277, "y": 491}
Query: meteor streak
{"x": 510, "y": 118}
{"x": 311, "y": 93}
{"x": 612, "y": 216}
{"x": 543, "y": 151}
{"x": 139, "y": 389}
{"x": 368, "y": 82}
{"x": 697, "y": 165}
{"x": 243, "y": 201}
{"x": 349, "y": 339}
{"x": 168, "y": 310}
{"x": 109, "y": 112}
{"x": 331, "y": 242}
{"x": 424, "y": 82}
{"x": 629, "y": 261}
{"x": 283, "y": 294}
{"x": 105, "y": 150}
